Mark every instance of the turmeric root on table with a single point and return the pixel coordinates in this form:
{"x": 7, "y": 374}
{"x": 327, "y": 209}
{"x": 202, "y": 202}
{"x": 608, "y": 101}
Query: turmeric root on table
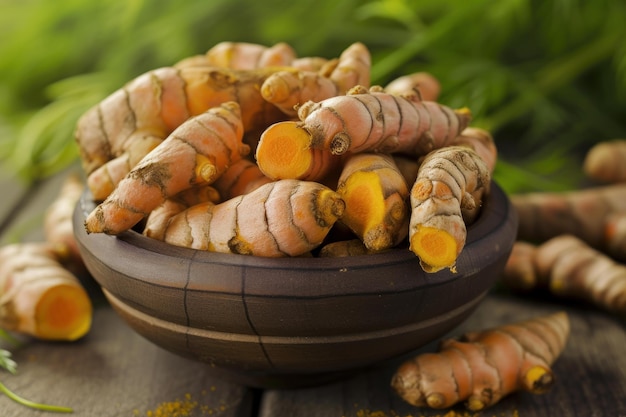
{"x": 480, "y": 368}
{"x": 58, "y": 226}
{"x": 118, "y": 132}
{"x": 606, "y": 161}
{"x": 278, "y": 219}
{"x": 376, "y": 197}
{"x": 569, "y": 268}
{"x": 372, "y": 120}
{"x": 39, "y": 296}
{"x": 447, "y": 195}
{"x": 197, "y": 152}
{"x": 584, "y": 213}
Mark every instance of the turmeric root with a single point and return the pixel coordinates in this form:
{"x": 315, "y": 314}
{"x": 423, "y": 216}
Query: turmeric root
{"x": 283, "y": 152}
{"x": 158, "y": 218}
{"x": 606, "y": 161}
{"x": 242, "y": 177}
{"x": 278, "y": 219}
{"x": 480, "y": 368}
{"x": 425, "y": 83}
{"x": 39, "y": 297}
{"x": 58, "y": 226}
{"x": 569, "y": 268}
{"x": 134, "y": 119}
{"x": 447, "y": 194}
{"x": 197, "y": 152}
{"x": 344, "y": 248}
{"x": 583, "y": 213}
{"x": 481, "y": 141}
{"x": 290, "y": 88}
{"x": 373, "y": 120}
{"x": 248, "y": 56}
{"x": 376, "y": 197}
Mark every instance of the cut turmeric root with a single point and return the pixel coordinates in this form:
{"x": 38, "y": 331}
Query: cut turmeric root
{"x": 197, "y": 152}
{"x": 569, "y": 268}
{"x": 278, "y": 219}
{"x": 376, "y": 197}
{"x": 40, "y": 297}
{"x": 447, "y": 194}
{"x": 284, "y": 152}
{"x": 480, "y": 368}
{"x": 372, "y": 120}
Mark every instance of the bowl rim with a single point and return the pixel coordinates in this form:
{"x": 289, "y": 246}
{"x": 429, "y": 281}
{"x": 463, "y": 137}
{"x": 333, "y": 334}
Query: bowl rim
{"x": 501, "y": 220}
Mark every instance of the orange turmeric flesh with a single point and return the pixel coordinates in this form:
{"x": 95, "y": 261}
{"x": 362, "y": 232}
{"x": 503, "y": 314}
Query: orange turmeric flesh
{"x": 435, "y": 248}
{"x": 63, "y": 312}
{"x": 283, "y": 152}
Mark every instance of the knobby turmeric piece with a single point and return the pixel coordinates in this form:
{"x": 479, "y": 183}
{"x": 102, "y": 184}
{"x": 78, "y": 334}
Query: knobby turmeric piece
{"x": 282, "y": 218}
{"x": 39, "y": 296}
{"x": 58, "y": 225}
{"x": 480, "y": 368}
{"x": 376, "y": 197}
{"x": 372, "y": 120}
{"x": 157, "y": 220}
{"x": 129, "y": 123}
{"x": 424, "y": 83}
{"x": 569, "y": 268}
{"x": 248, "y": 56}
{"x": 585, "y": 213}
{"x": 606, "y": 161}
{"x": 290, "y": 88}
{"x": 447, "y": 195}
{"x": 197, "y": 152}
{"x": 242, "y": 177}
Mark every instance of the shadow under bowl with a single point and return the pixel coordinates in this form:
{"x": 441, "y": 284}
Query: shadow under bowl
{"x": 290, "y": 322}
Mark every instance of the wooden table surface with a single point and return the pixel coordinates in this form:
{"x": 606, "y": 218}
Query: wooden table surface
{"x": 115, "y": 372}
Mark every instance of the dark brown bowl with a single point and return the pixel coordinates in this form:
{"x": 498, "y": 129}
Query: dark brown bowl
{"x": 287, "y": 322}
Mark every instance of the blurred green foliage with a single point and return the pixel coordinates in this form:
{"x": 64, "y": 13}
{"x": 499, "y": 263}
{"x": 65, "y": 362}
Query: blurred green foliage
{"x": 547, "y": 77}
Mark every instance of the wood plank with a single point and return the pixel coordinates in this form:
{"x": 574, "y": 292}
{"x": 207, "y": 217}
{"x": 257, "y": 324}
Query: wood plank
{"x": 115, "y": 372}
{"x": 591, "y": 374}
{"x": 13, "y": 190}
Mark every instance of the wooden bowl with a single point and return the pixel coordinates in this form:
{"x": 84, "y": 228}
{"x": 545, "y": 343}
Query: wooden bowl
{"x": 287, "y": 322}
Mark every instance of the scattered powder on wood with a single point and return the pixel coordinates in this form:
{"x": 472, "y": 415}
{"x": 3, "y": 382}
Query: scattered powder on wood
{"x": 371, "y": 413}
{"x": 185, "y": 407}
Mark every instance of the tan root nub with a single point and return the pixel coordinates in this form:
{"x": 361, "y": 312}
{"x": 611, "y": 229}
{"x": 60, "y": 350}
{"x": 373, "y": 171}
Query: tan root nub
{"x": 481, "y": 368}
{"x": 449, "y": 182}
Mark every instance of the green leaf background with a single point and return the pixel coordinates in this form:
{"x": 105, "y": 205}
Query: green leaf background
{"x": 546, "y": 77}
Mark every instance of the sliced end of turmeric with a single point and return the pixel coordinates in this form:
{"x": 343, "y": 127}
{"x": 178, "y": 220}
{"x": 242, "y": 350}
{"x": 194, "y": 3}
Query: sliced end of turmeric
{"x": 538, "y": 380}
{"x": 283, "y": 151}
{"x": 436, "y": 248}
{"x": 64, "y": 312}
{"x": 364, "y": 199}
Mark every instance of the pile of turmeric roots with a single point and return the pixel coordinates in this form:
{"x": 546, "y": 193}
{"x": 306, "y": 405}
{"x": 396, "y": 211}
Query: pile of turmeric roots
{"x": 253, "y": 150}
